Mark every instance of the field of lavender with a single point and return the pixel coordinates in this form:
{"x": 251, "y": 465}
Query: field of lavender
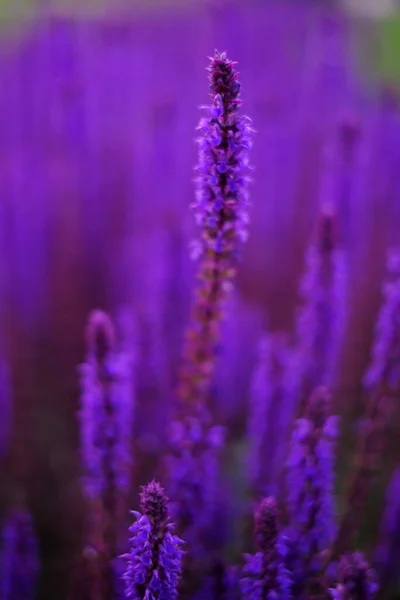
{"x": 216, "y": 350}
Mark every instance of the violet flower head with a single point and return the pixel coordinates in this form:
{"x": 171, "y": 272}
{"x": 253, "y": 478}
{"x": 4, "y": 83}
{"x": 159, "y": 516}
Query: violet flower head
{"x": 321, "y": 318}
{"x": 357, "y": 581}
{"x": 154, "y": 560}
{"x": 221, "y": 199}
{"x": 221, "y": 210}
{"x": 19, "y": 560}
{"x": 388, "y": 551}
{"x": 265, "y": 575}
{"x": 193, "y": 475}
{"x": 267, "y": 397}
{"x": 260, "y": 401}
{"x": 107, "y": 406}
{"x": 310, "y": 487}
{"x": 383, "y": 374}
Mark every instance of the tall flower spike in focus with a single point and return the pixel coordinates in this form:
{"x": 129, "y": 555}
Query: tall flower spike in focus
{"x": 154, "y": 560}
{"x": 357, "y": 581}
{"x": 221, "y": 211}
{"x": 264, "y": 574}
{"x": 310, "y": 489}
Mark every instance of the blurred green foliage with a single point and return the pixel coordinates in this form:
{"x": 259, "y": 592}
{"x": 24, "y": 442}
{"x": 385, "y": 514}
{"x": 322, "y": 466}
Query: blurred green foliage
{"x": 387, "y": 59}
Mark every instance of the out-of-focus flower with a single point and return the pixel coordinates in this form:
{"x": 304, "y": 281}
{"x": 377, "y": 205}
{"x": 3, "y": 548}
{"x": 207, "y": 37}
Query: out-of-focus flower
{"x": 264, "y": 574}
{"x": 357, "y": 581}
{"x": 154, "y": 560}
{"x": 388, "y": 552}
{"x": 193, "y": 469}
{"x": 310, "y": 482}
{"x": 19, "y": 563}
{"x": 106, "y": 419}
{"x": 382, "y": 386}
{"x": 107, "y": 406}
{"x": 267, "y": 398}
{"x": 383, "y": 374}
{"x": 321, "y": 317}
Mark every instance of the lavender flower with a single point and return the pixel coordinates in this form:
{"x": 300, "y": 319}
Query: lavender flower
{"x": 193, "y": 468}
{"x": 264, "y": 574}
{"x": 388, "y": 552}
{"x": 320, "y": 320}
{"x": 310, "y": 481}
{"x": 268, "y": 393}
{"x": 106, "y": 419}
{"x": 106, "y": 415}
{"x": 370, "y": 450}
{"x": 19, "y": 564}
{"x": 357, "y": 581}
{"x": 154, "y": 560}
{"x": 382, "y": 386}
{"x": 383, "y": 374}
{"x": 221, "y": 212}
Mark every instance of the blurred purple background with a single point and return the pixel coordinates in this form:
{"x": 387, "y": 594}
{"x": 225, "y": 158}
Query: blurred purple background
{"x": 96, "y": 168}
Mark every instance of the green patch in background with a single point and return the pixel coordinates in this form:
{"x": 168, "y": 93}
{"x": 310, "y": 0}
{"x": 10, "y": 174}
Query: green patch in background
{"x": 387, "y": 60}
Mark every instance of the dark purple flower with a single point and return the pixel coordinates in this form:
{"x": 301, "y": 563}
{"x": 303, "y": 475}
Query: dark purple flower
{"x": 19, "y": 563}
{"x": 383, "y": 373}
{"x": 154, "y": 560}
{"x": 106, "y": 418}
{"x": 265, "y": 576}
{"x": 310, "y": 482}
{"x": 357, "y": 581}
{"x": 388, "y": 551}
{"x": 322, "y": 315}
{"x": 269, "y": 394}
{"x": 221, "y": 211}
{"x": 193, "y": 472}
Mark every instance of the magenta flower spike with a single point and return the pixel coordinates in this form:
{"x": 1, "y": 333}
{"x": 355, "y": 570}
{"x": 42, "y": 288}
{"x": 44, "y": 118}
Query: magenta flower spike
{"x": 106, "y": 420}
{"x": 321, "y": 317}
{"x": 221, "y": 212}
{"x": 265, "y": 575}
{"x": 310, "y": 489}
{"x": 154, "y": 560}
{"x": 357, "y": 581}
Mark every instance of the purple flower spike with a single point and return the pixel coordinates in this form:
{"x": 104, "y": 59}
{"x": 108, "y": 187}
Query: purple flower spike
{"x": 19, "y": 561}
{"x": 321, "y": 318}
{"x": 383, "y": 373}
{"x": 388, "y": 551}
{"x": 154, "y": 560}
{"x": 264, "y": 574}
{"x": 357, "y": 581}
{"x": 221, "y": 212}
{"x": 223, "y": 167}
{"x": 310, "y": 480}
